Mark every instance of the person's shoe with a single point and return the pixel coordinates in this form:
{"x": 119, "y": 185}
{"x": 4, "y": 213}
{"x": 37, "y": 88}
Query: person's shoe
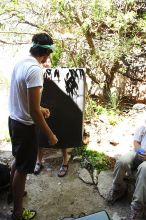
{"x": 38, "y": 168}
{"x": 26, "y": 215}
{"x": 135, "y": 214}
{"x": 114, "y": 195}
{"x": 63, "y": 170}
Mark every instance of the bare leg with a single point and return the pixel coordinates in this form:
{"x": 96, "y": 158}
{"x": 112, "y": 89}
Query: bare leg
{"x": 39, "y": 166}
{"x": 18, "y": 187}
{"x": 10, "y": 193}
{"x": 64, "y": 167}
{"x": 40, "y": 155}
{"x": 65, "y": 156}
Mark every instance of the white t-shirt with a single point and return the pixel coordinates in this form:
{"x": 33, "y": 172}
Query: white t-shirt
{"x": 140, "y": 136}
{"x": 27, "y": 73}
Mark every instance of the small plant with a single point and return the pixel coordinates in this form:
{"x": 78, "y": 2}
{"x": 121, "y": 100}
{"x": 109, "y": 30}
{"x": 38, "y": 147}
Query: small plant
{"x": 113, "y": 116}
{"x": 91, "y": 108}
{"x": 112, "y": 111}
{"x": 92, "y": 159}
{"x": 114, "y": 101}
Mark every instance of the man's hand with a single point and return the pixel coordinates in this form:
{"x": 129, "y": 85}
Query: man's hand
{"x": 142, "y": 156}
{"x": 45, "y": 112}
{"x": 53, "y": 139}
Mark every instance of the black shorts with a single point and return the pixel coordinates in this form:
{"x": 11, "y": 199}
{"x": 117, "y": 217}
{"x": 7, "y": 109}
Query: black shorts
{"x": 24, "y": 145}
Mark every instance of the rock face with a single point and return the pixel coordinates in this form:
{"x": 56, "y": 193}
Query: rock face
{"x": 105, "y": 179}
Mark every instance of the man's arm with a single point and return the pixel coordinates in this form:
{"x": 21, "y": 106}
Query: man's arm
{"x": 136, "y": 145}
{"x": 34, "y": 97}
{"x": 141, "y": 152}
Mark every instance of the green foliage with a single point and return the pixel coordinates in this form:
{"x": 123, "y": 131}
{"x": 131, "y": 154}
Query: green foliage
{"x": 91, "y": 108}
{"x": 55, "y": 57}
{"x": 113, "y": 116}
{"x": 114, "y": 101}
{"x": 111, "y": 111}
{"x": 92, "y": 159}
{"x": 100, "y": 31}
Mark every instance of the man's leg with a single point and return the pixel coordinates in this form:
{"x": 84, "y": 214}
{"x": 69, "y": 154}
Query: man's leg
{"x": 64, "y": 167}
{"x": 65, "y": 156}
{"x": 22, "y": 137}
{"x": 122, "y": 168}
{"x": 18, "y": 187}
{"x": 10, "y": 194}
{"x": 39, "y": 166}
{"x": 139, "y": 196}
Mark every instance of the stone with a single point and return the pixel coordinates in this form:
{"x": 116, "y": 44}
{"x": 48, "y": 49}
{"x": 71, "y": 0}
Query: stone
{"x": 95, "y": 176}
{"x": 114, "y": 142}
{"x": 85, "y": 176}
{"x": 116, "y": 216}
{"x": 105, "y": 179}
{"x": 139, "y": 106}
{"x": 77, "y": 158}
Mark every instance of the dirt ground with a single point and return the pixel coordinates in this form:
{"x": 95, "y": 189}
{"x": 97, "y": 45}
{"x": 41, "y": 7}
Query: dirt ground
{"x": 55, "y": 198}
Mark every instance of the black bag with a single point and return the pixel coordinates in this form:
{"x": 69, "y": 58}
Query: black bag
{"x": 4, "y": 177}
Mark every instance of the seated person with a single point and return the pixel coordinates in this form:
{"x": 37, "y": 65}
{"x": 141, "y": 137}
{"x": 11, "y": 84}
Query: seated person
{"x": 134, "y": 160}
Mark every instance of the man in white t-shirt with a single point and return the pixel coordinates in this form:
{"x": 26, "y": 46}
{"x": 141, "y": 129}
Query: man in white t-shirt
{"x": 25, "y": 116}
{"x": 134, "y": 160}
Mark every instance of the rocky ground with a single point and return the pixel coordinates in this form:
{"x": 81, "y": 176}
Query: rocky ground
{"x": 55, "y": 198}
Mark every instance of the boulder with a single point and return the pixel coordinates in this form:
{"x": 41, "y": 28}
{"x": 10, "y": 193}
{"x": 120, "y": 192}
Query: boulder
{"x": 105, "y": 179}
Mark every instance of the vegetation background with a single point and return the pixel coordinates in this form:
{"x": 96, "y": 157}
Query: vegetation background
{"x": 107, "y": 37}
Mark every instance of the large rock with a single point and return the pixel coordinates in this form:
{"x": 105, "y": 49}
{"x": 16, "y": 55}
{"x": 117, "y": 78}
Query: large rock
{"x": 105, "y": 179}
{"x": 85, "y": 176}
{"x": 139, "y": 106}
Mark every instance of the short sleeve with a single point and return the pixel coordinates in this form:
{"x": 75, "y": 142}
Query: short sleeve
{"x": 34, "y": 77}
{"x": 139, "y": 133}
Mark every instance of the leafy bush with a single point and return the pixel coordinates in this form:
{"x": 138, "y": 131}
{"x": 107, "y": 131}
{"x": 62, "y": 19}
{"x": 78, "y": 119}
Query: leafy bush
{"x": 112, "y": 111}
{"x": 92, "y": 159}
{"x": 55, "y": 57}
{"x": 91, "y": 108}
{"x": 114, "y": 101}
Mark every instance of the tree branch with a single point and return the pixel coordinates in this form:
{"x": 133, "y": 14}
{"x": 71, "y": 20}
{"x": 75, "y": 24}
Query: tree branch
{"x": 13, "y": 43}
{"x": 15, "y": 32}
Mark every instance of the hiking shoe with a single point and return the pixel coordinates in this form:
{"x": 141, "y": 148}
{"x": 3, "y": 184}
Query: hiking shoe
{"x": 26, "y": 215}
{"x": 114, "y": 195}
